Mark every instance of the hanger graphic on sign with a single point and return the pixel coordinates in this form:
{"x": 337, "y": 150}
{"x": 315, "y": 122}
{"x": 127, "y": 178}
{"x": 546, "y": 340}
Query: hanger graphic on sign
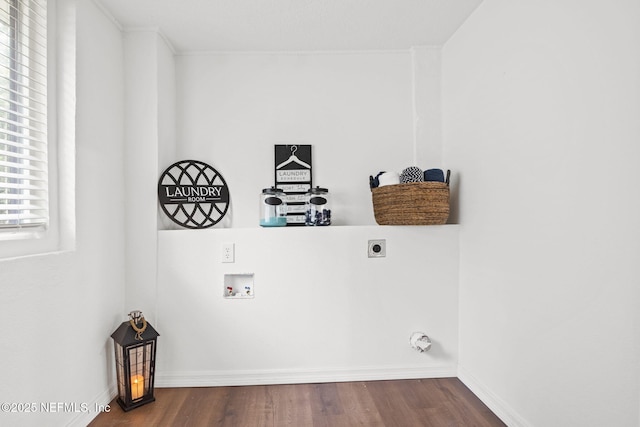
{"x": 293, "y": 158}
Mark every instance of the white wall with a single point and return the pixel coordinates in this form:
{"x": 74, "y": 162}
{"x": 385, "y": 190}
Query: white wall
{"x": 58, "y": 310}
{"x": 323, "y": 310}
{"x": 167, "y": 98}
{"x": 149, "y": 138}
{"x": 363, "y": 112}
{"x": 541, "y": 107}
{"x": 356, "y": 109}
{"x": 427, "y": 106}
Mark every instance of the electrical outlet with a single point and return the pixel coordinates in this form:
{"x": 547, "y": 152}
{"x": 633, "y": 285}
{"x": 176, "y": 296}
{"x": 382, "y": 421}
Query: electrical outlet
{"x": 228, "y": 252}
{"x": 377, "y": 248}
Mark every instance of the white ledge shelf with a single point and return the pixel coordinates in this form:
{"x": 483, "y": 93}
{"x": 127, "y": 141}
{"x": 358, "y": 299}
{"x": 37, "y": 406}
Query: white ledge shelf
{"x": 329, "y": 227}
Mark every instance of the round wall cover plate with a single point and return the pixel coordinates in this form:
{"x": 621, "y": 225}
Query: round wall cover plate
{"x": 193, "y": 194}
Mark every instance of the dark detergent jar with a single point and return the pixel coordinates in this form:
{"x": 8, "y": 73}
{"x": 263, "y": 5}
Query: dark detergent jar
{"x": 318, "y": 209}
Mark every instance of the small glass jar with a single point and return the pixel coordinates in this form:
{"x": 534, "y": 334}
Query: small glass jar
{"x": 318, "y": 210}
{"x": 273, "y": 208}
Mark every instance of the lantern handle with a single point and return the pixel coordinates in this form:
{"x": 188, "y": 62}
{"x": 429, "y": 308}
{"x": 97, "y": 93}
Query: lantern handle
{"x": 135, "y": 317}
{"x": 139, "y": 331}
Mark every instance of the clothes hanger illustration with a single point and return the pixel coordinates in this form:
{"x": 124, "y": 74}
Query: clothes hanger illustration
{"x": 293, "y": 158}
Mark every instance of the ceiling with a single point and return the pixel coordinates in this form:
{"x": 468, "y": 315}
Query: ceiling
{"x": 295, "y": 25}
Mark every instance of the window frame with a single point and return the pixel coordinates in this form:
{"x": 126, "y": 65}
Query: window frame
{"x": 59, "y": 235}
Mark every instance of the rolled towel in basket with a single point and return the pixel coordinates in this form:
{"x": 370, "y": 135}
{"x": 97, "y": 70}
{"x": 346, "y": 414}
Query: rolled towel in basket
{"x": 412, "y": 174}
{"x": 375, "y": 182}
{"x": 388, "y": 178}
{"x": 434, "y": 175}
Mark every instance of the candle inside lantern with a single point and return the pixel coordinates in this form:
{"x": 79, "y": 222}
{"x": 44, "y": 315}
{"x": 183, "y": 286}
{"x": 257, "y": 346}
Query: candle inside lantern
{"x": 137, "y": 387}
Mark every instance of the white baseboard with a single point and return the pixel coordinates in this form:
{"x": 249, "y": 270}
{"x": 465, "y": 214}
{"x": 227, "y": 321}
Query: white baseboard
{"x": 94, "y": 407}
{"x": 498, "y": 406}
{"x": 291, "y": 376}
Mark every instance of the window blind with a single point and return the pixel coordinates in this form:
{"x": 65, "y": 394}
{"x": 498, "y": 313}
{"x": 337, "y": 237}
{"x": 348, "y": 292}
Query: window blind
{"x": 23, "y": 114}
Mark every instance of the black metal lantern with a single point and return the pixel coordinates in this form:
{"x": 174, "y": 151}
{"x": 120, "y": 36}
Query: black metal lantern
{"x": 135, "y": 346}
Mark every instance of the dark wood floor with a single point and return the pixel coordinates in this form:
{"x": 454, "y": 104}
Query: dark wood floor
{"x": 406, "y": 403}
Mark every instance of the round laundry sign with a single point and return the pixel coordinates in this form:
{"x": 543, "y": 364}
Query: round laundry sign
{"x": 193, "y": 194}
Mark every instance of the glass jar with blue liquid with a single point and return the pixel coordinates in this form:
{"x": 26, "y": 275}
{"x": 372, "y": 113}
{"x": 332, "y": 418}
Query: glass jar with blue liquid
{"x": 273, "y": 208}
{"x": 318, "y": 209}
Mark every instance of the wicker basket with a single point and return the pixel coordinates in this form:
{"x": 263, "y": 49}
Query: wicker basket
{"x": 415, "y": 203}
